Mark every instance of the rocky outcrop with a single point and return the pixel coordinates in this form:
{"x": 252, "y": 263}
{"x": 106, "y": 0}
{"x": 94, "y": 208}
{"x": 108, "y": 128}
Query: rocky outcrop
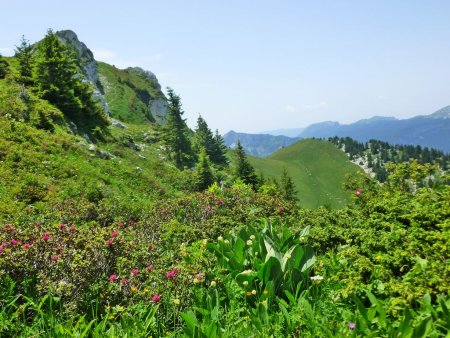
{"x": 158, "y": 109}
{"x": 86, "y": 63}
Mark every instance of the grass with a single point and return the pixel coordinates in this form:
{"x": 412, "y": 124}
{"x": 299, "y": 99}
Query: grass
{"x": 317, "y": 168}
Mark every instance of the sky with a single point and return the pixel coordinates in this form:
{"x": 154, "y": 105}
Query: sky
{"x": 253, "y": 66}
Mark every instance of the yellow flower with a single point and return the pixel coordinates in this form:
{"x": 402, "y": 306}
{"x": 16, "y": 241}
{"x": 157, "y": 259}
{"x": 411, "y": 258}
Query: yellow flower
{"x": 133, "y": 289}
{"x": 378, "y": 258}
{"x": 196, "y": 280}
{"x": 248, "y": 293}
{"x": 253, "y": 292}
{"x": 121, "y": 308}
{"x": 111, "y": 317}
{"x": 245, "y": 283}
{"x": 176, "y": 301}
{"x": 264, "y": 302}
{"x": 146, "y": 290}
{"x": 102, "y": 296}
{"x": 107, "y": 307}
{"x": 213, "y": 284}
{"x": 265, "y": 292}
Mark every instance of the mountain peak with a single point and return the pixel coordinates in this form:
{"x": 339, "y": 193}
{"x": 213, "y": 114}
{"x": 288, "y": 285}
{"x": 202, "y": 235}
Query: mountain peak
{"x": 443, "y": 113}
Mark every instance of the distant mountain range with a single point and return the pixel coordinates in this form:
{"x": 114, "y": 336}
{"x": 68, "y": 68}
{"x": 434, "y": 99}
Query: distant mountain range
{"x": 431, "y": 131}
{"x": 259, "y": 145}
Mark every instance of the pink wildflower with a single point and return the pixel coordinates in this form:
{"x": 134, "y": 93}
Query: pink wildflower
{"x": 110, "y": 242}
{"x": 124, "y": 281}
{"x": 150, "y": 268}
{"x": 46, "y": 236}
{"x": 357, "y": 192}
{"x": 156, "y": 298}
{"x": 62, "y": 226}
{"x": 351, "y": 325}
{"x": 72, "y": 228}
{"x": 54, "y": 258}
{"x": 172, "y": 274}
{"x": 121, "y": 223}
{"x": 114, "y": 234}
{"x": 135, "y": 272}
{"x": 26, "y": 246}
{"x": 113, "y": 277}
{"x": 15, "y": 241}
{"x": 219, "y": 201}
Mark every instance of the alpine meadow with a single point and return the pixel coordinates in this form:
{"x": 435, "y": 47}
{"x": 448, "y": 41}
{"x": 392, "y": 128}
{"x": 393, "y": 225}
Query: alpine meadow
{"x": 121, "y": 217}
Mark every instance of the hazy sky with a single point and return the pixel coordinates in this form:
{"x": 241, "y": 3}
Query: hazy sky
{"x": 259, "y": 65}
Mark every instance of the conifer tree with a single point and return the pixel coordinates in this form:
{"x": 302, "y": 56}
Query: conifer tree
{"x": 175, "y": 132}
{"x": 244, "y": 170}
{"x": 203, "y": 176}
{"x": 288, "y": 187}
{"x": 4, "y": 67}
{"x": 24, "y": 54}
{"x": 58, "y": 82}
{"x": 213, "y": 144}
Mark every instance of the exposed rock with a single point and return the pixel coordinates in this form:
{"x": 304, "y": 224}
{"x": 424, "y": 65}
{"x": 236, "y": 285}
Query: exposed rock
{"x": 158, "y": 108}
{"x": 105, "y": 155}
{"x": 87, "y": 138}
{"x": 150, "y": 137}
{"x": 86, "y": 63}
{"x": 142, "y": 157}
{"x": 118, "y": 124}
{"x": 91, "y": 147}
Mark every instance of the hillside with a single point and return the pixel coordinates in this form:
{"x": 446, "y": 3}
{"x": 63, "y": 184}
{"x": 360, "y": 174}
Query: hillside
{"x": 317, "y": 168}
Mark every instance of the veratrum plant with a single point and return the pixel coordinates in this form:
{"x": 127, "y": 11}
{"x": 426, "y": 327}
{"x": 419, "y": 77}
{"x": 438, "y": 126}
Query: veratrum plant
{"x": 266, "y": 263}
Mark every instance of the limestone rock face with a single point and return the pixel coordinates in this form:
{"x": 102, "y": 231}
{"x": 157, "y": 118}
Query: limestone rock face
{"x": 86, "y": 63}
{"x": 158, "y": 108}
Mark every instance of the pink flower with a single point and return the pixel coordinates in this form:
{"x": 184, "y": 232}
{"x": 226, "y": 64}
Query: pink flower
{"x": 72, "y": 228}
{"x": 26, "y": 246}
{"x": 114, "y": 234}
{"x": 62, "y": 226}
{"x": 135, "y": 272}
{"x": 113, "y": 277}
{"x": 15, "y": 241}
{"x": 4, "y": 245}
{"x": 124, "y": 281}
{"x": 9, "y": 227}
{"x": 172, "y": 274}
{"x": 357, "y": 192}
{"x": 54, "y": 258}
{"x": 219, "y": 201}
{"x": 351, "y": 325}
{"x": 46, "y": 236}
{"x": 121, "y": 223}
{"x": 110, "y": 242}
{"x": 156, "y": 298}
{"x": 150, "y": 268}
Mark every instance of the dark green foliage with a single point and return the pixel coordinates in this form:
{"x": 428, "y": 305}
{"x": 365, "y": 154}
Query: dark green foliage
{"x": 58, "y": 82}
{"x": 243, "y": 169}
{"x": 203, "y": 176}
{"x": 213, "y": 144}
{"x": 4, "y": 67}
{"x": 24, "y": 54}
{"x": 288, "y": 187}
{"x": 176, "y": 132}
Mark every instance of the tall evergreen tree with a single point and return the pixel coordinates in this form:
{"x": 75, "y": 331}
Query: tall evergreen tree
{"x": 213, "y": 144}
{"x": 175, "y": 132}
{"x": 4, "y": 67}
{"x": 24, "y": 54}
{"x": 203, "y": 175}
{"x": 288, "y": 187}
{"x": 58, "y": 82}
{"x": 244, "y": 170}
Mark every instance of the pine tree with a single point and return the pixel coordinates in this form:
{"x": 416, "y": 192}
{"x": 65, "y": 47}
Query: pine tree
{"x": 203, "y": 176}
{"x": 175, "y": 132}
{"x": 24, "y": 54}
{"x": 213, "y": 144}
{"x": 288, "y": 187}
{"x": 220, "y": 150}
{"x": 58, "y": 82}
{"x": 4, "y": 67}
{"x": 244, "y": 169}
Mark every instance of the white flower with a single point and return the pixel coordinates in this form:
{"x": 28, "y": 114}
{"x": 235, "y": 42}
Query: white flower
{"x": 245, "y": 283}
{"x": 213, "y": 284}
{"x": 317, "y": 278}
{"x": 226, "y": 241}
{"x": 220, "y": 238}
{"x": 249, "y": 242}
{"x": 246, "y": 272}
{"x": 252, "y": 237}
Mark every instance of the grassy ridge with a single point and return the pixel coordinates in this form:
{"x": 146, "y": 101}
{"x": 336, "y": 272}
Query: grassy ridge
{"x": 317, "y": 168}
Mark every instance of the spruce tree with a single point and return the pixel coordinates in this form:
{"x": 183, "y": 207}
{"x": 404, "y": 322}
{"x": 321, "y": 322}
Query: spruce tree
{"x": 58, "y": 82}
{"x": 175, "y": 132}
{"x": 244, "y": 170}
{"x": 288, "y": 187}
{"x": 4, "y": 67}
{"x": 24, "y": 54}
{"x": 203, "y": 176}
{"x": 213, "y": 144}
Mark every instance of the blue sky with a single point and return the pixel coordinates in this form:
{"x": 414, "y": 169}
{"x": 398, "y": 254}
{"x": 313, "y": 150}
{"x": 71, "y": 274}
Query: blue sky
{"x": 260, "y": 65}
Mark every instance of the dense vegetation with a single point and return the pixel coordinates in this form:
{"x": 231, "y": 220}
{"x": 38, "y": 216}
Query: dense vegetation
{"x": 153, "y": 231}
